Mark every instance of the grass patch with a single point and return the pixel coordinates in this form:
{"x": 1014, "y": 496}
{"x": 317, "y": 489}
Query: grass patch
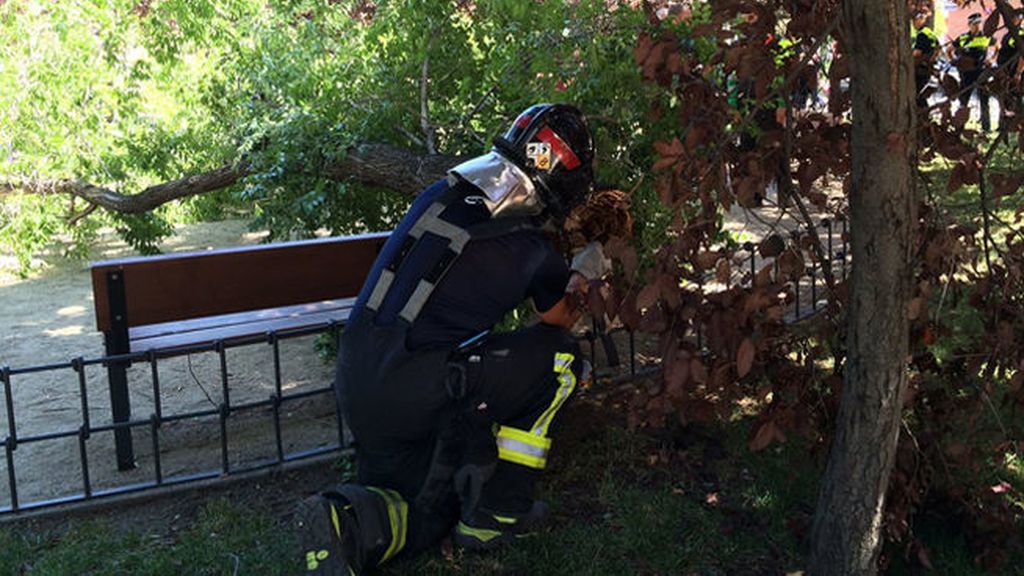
{"x": 680, "y": 501}
{"x": 224, "y": 539}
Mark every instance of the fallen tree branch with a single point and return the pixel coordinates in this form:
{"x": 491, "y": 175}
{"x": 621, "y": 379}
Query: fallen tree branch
{"x": 378, "y": 165}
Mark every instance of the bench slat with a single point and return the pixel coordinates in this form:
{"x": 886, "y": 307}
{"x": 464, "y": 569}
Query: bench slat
{"x": 239, "y": 320}
{"x": 238, "y": 332}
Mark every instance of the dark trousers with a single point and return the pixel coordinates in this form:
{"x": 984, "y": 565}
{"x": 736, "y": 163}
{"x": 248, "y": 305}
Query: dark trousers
{"x": 403, "y": 417}
{"x": 970, "y": 84}
{"x": 921, "y": 78}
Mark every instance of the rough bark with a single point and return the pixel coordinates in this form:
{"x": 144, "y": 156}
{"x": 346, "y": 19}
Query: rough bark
{"x": 372, "y": 164}
{"x": 846, "y": 535}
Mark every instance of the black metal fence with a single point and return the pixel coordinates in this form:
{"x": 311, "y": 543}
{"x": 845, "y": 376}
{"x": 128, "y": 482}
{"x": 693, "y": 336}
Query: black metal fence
{"x": 85, "y": 431}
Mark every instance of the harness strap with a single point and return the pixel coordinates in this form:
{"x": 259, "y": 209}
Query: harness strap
{"x": 431, "y": 222}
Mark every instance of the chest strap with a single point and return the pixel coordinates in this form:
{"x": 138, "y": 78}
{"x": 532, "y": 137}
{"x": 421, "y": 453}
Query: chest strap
{"x": 457, "y": 237}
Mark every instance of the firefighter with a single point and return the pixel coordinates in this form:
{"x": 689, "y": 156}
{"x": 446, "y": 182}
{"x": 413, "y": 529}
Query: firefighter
{"x": 970, "y": 51}
{"x": 925, "y": 44}
{"x": 452, "y": 424}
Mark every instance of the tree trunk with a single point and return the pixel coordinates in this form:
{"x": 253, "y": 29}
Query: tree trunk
{"x": 372, "y": 164}
{"x": 846, "y": 536}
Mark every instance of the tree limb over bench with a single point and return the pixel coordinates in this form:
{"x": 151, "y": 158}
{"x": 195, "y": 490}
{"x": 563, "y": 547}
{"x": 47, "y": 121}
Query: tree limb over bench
{"x": 170, "y": 302}
{"x": 370, "y": 164}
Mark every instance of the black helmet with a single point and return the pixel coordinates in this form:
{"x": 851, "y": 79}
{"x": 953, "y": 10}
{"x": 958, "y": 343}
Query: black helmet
{"x": 551, "y": 143}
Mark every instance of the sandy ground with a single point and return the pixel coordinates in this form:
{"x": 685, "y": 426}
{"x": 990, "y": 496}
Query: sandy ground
{"x": 48, "y": 319}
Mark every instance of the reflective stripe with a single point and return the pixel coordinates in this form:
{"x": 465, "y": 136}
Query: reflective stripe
{"x": 398, "y": 516}
{"x": 481, "y": 534}
{"x": 417, "y": 301}
{"x": 530, "y": 448}
{"x": 521, "y": 447}
{"x": 430, "y": 222}
{"x": 380, "y": 289}
{"x": 336, "y": 521}
{"x": 567, "y": 383}
{"x": 966, "y": 41}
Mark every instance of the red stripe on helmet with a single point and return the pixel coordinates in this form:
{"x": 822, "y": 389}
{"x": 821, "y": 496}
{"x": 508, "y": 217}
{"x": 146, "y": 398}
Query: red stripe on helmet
{"x": 523, "y": 121}
{"x": 565, "y": 154}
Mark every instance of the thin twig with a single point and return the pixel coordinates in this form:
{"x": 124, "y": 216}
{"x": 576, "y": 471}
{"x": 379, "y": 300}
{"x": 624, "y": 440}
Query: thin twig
{"x": 428, "y": 130}
{"x": 945, "y": 290}
{"x": 78, "y": 217}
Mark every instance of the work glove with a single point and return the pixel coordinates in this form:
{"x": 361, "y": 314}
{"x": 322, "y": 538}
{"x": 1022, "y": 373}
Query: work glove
{"x": 591, "y": 263}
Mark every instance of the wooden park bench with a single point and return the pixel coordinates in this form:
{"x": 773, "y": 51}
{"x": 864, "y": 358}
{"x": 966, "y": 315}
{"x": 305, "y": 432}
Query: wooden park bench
{"x": 176, "y": 301}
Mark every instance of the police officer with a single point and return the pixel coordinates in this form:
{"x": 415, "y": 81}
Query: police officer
{"x": 1010, "y": 66}
{"x": 452, "y": 423}
{"x": 925, "y": 42}
{"x": 971, "y": 56}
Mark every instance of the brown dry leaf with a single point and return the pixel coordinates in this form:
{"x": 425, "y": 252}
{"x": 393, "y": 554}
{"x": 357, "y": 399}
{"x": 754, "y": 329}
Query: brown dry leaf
{"x": 648, "y": 296}
{"x": 745, "y": 357}
{"x": 676, "y": 376}
{"x": 723, "y": 271}
{"x": 705, "y": 260}
{"x": 960, "y": 118}
{"x": 924, "y": 558}
{"x": 604, "y": 216}
{"x": 673, "y": 148}
{"x": 1005, "y": 184}
{"x": 791, "y": 263}
{"x": 764, "y": 436}
{"x": 956, "y": 450}
{"x": 771, "y": 246}
{"x": 956, "y": 175}
{"x": 914, "y": 308}
{"x": 698, "y": 371}
{"x": 643, "y": 48}
{"x": 664, "y": 163}
{"x": 764, "y": 277}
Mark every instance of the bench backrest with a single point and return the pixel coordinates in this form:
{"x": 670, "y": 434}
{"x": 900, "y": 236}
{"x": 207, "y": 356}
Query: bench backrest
{"x": 189, "y": 285}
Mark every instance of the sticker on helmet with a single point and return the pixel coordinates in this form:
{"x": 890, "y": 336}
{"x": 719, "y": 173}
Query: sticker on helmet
{"x": 540, "y": 153}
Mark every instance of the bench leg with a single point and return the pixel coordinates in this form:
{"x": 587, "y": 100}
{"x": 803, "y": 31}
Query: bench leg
{"x": 117, "y": 372}
{"x": 121, "y": 411}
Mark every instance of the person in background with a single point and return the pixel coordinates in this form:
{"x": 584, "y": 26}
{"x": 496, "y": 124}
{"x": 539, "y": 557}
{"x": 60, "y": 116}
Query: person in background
{"x": 970, "y": 52}
{"x": 925, "y": 49}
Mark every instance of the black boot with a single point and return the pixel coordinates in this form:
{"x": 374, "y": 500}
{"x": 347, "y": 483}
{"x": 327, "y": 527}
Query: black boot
{"x": 486, "y": 529}
{"x": 344, "y": 531}
{"x": 327, "y": 536}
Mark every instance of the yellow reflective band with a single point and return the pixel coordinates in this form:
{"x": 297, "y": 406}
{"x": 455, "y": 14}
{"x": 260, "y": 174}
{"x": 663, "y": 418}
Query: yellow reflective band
{"x": 505, "y": 519}
{"x": 398, "y": 516}
{"x": 314, "y": 558}
{"x": 975, "y": 42}
{"x": 481, "y": 534}
{"x": 335, "y": 521}
{"x": 567, "y": 383}
{"x": 521, "y": 447}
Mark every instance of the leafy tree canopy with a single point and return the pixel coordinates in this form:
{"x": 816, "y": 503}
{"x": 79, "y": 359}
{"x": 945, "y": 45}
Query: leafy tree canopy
{"x": 125, "y": 94}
